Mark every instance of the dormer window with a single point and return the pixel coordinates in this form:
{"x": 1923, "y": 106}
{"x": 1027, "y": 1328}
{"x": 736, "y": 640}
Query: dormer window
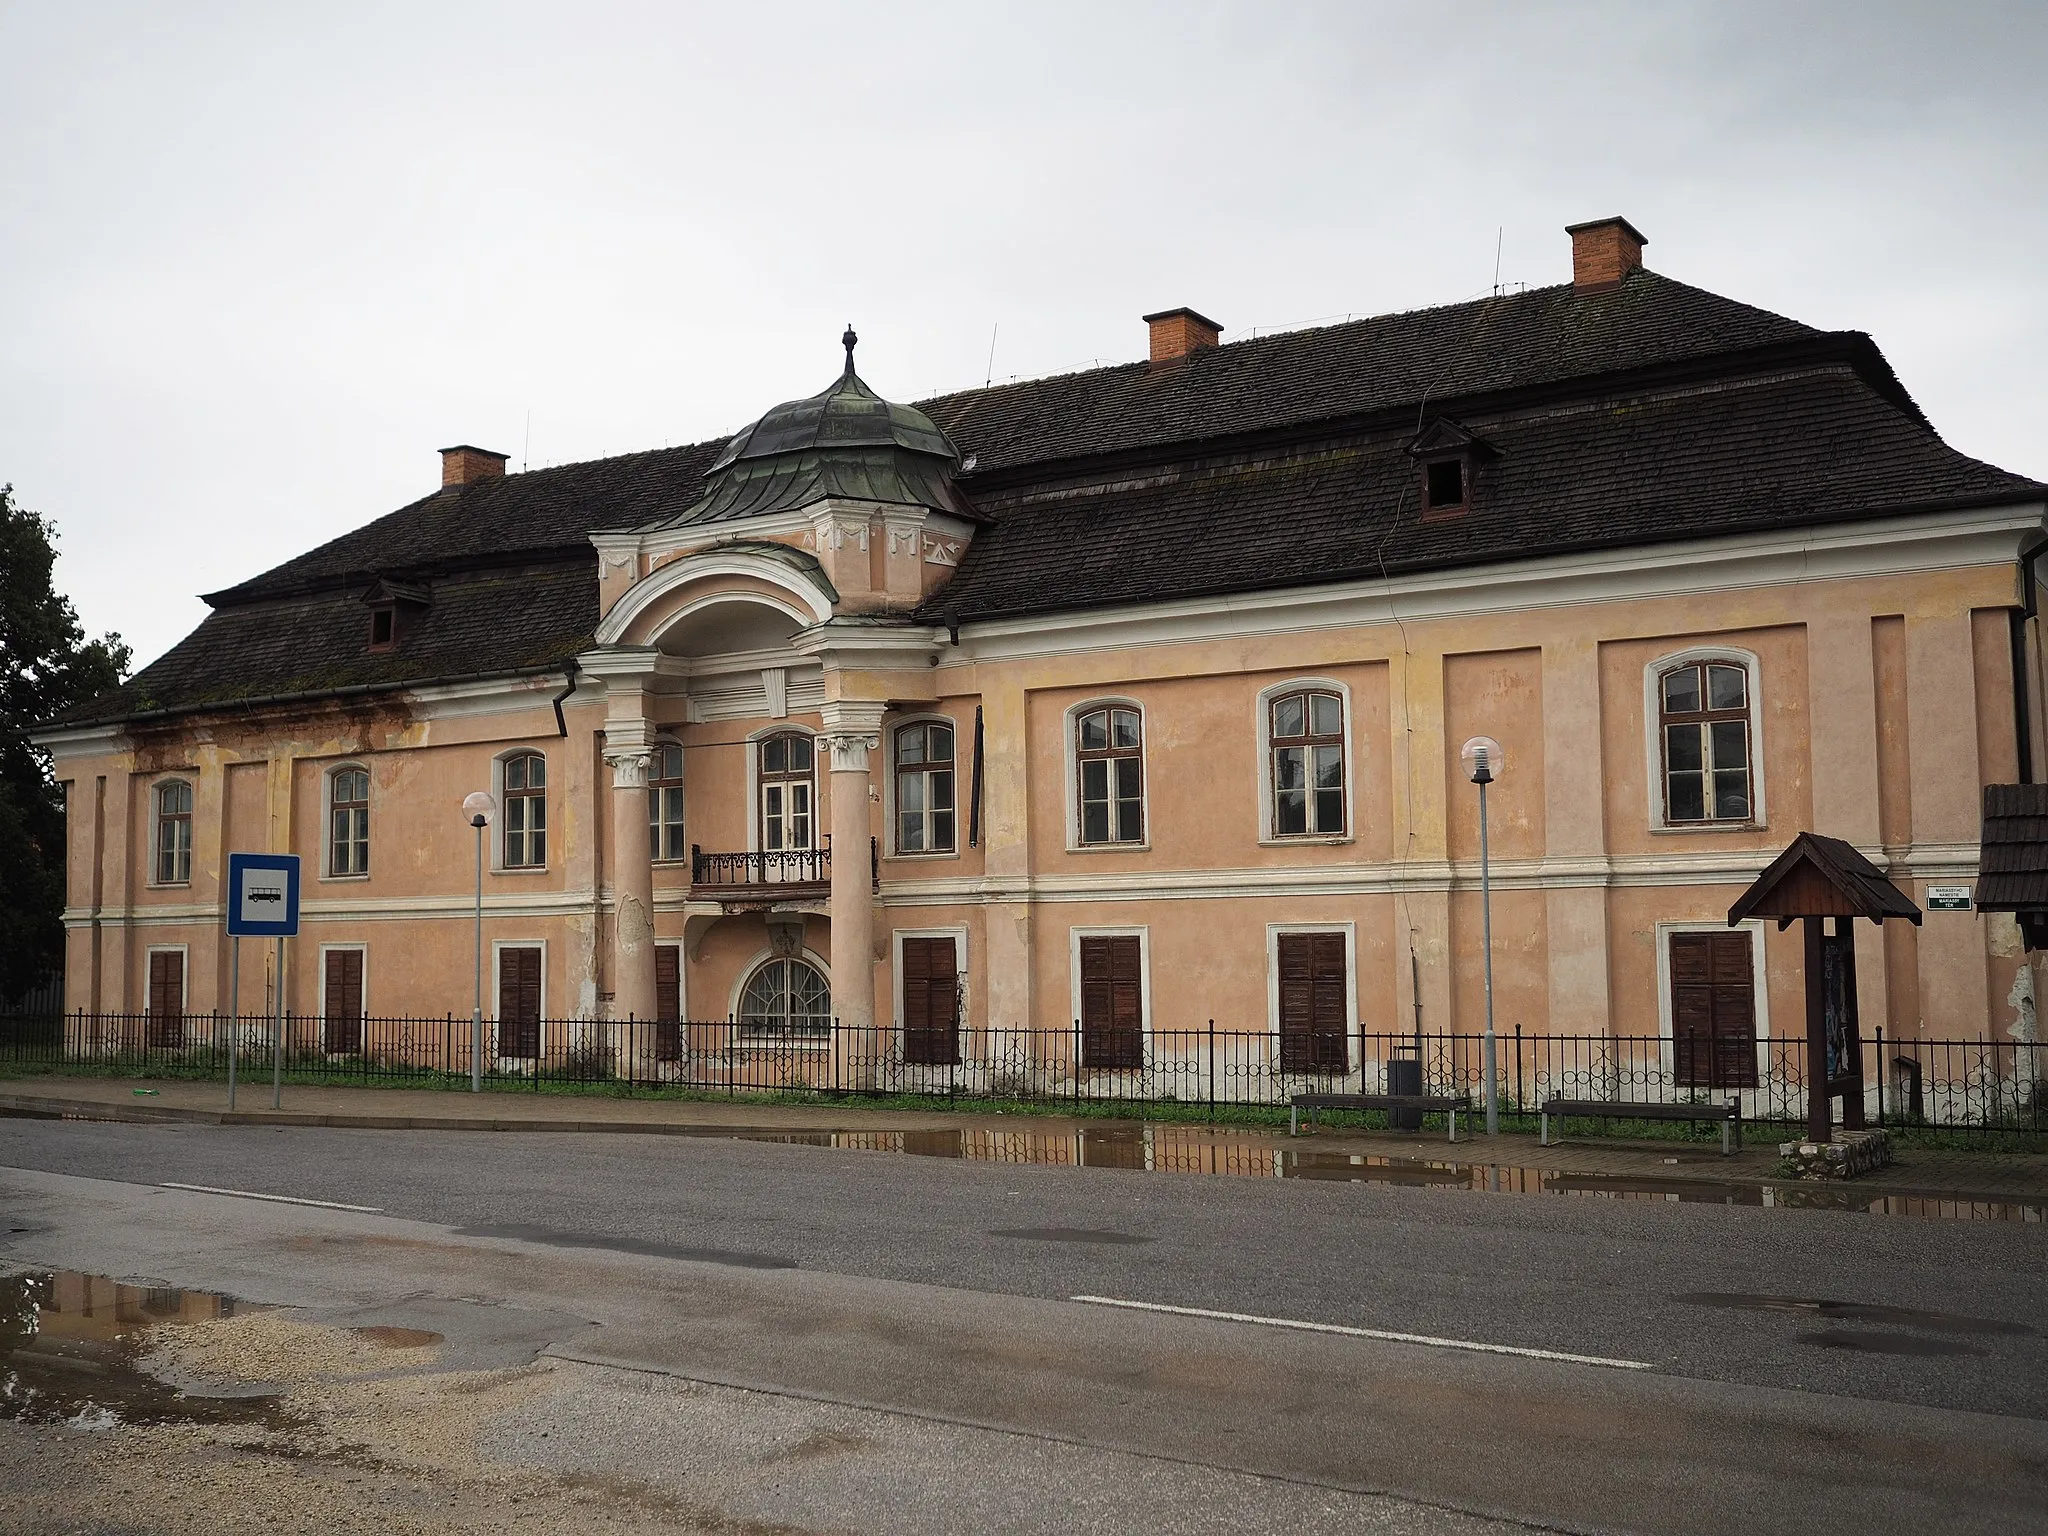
{"x": 394, "y": 607}
{"x": 1444, "y": 485}
{"x": 1448, "y": 457}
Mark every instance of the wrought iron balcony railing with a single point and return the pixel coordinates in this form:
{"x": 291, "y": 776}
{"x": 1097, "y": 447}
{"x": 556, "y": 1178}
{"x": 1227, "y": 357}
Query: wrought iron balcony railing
{"x": 767, "y": 872}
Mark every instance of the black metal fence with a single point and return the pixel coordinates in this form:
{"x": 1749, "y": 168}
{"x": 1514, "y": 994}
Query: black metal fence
{"x": 1963, "y": 1085}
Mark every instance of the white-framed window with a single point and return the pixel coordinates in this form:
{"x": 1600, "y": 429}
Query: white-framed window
{"x": 172, "y": 839}
{"x": 1111, "y": 971}
{"x": 931, "y": 993}
{"x": 344, "y": 997}
{"x": 523, "y": 814}
{"x": 519, "y": 990}
{"x": 1713, "y": 1004}
{"x": 785, "y": 792}
{"x": 785, "y": 1000}
{"x": 1312, "y": 995}
{"x": 665, "y": 803}
{"x": 1704, "y": 740}
{"x": 1106, "y": 774}
{"x": 348, "y": 821}
{"x": 924, "y": 802}
{"x": 1304, "y": 732}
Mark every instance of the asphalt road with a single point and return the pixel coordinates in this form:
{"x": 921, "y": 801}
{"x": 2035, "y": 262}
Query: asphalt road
{"x": 1914, "y": 1399}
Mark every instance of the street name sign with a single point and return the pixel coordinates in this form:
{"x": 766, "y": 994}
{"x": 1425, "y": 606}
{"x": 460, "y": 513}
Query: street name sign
{"x": 1948, "y": 898}
{"x": 263, "y": 895}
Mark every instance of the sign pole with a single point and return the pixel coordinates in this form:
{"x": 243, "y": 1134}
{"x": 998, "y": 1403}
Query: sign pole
{"x": 277, "y": 1036}
{"x": 234, "y": 1012}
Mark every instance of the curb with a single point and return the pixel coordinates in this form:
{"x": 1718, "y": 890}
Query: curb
{"x": 146, "y": 1114}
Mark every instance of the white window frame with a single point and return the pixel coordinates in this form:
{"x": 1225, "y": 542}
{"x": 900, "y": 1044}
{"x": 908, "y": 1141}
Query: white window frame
{"x": 1667, "y": 1044}
{"x": 364, "y": 951}
{"x": 505, "y": 1063}
{"x": 891, "y": 727}
{"x": 1143, "y": 933}
{"x": 1653, "y": 738}
{"x": 184, "y": 977}
{"x": 661, "y": 743}
{"x": 327, "y": 778}
{"x": 1070, "y": 755}
{"x": 1262, "y": 724}
{"x": 817, "y": 962}
{"x": 497, "y": 829}
{"x": 190, "y": 780}
{"x": 958, "y": 934}
{"x": 820, "y": 784}
{"x": 1349, "y": 929}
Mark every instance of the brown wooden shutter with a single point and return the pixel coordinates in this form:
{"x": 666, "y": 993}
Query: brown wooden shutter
{"x": 1713, "y": 1010}
{"x": 519, "y": 1002}
{"x": 166, "y": 999}
{"x": 344, "y": 1009}
{"x": 1314, "y": 1027}
{"x": 931, "y": 1002}
{"x": 1112, "y": 1002}
{"x": 668, "y": 1003}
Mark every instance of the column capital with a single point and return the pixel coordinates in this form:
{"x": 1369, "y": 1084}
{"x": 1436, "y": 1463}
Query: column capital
{"x": 853, "y": 729}
{"x": 628, "y": 765}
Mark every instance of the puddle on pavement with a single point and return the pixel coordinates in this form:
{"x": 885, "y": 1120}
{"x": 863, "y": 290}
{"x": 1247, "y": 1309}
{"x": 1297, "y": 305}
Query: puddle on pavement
{"x": 1192, "y": 1149}
{"x": 70, "y": 1352}
{"x": 395, "y": 1338}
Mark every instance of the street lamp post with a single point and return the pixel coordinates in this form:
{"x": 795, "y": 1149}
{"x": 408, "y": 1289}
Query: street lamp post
{"x": 479, "y": 808}
{"x": 1482, "y": 757}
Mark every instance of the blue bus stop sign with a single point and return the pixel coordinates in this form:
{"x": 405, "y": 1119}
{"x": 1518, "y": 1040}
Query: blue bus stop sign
{"x": 263, "y": 895}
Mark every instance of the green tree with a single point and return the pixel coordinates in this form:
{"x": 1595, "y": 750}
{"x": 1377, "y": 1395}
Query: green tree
{"x": 46, "y": 667}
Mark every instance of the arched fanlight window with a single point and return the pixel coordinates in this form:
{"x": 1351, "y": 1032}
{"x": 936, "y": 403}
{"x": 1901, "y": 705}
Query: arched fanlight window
{"x": 786, "y": 999}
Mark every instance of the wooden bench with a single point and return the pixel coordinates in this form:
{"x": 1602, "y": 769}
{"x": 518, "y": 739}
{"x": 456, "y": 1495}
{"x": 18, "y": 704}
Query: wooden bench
{"x": 1315, "y": 1103}
{"x": 1728, "y": 1114}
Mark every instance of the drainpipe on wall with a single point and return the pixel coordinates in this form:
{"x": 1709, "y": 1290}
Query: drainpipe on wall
{"x": 568, "y": 687}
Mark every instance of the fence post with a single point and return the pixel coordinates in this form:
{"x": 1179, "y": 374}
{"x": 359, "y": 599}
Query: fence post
{"x": 1520, "y": 1107}
{"x": 1212, "y": 1071}
{"x": 1075, "y": 1070}
{"x": 1882, "y": 1066}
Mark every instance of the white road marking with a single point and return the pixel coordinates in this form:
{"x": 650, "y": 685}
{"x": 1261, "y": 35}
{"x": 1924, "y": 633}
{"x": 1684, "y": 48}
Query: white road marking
{"x": 250, "y": 1194}
{"x": 1368, "y": 1333}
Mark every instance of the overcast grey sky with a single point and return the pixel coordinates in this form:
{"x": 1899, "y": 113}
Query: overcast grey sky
{"x": 260, "y": 261}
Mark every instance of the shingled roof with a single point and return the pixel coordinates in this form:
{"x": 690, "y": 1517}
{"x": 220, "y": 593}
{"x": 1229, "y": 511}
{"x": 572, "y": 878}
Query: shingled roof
{"x": 1598, "y": 406}
{"x": 2012, "y": 871}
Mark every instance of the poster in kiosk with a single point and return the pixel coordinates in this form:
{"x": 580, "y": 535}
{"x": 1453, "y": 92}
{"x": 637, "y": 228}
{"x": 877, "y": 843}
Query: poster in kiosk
{"x": 263, "y": 902}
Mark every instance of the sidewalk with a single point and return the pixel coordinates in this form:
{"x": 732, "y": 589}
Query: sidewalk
{"x": 1645, "y": 1166}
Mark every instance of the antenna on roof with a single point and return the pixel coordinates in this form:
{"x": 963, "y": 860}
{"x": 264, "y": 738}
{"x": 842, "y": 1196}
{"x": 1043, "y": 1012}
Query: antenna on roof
{"x": 1498, "y": 230}
{"x": 991, "y": 378}
{"x": 526, "y": 442}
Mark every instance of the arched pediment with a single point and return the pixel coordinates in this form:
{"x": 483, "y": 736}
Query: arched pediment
{"x": 751, "y": 590}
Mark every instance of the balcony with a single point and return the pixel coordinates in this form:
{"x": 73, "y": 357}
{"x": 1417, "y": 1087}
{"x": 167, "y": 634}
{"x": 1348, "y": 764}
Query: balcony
{"x": 765, "y": 879}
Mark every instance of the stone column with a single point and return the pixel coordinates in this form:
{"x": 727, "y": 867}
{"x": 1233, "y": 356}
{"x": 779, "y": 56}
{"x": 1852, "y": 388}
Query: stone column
{"x": 853, "y": 729}
{"x": 632, "y": 883}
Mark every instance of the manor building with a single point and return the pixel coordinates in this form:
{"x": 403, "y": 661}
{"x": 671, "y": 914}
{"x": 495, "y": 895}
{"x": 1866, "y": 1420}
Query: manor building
{"x": 1128, "y": 699}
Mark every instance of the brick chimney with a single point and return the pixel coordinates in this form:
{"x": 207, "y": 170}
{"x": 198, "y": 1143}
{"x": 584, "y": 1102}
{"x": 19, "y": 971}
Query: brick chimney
{"x": 1604, "y": 252}
{"x": 1177, "y": 332}
{"x": 464, "y": 465}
